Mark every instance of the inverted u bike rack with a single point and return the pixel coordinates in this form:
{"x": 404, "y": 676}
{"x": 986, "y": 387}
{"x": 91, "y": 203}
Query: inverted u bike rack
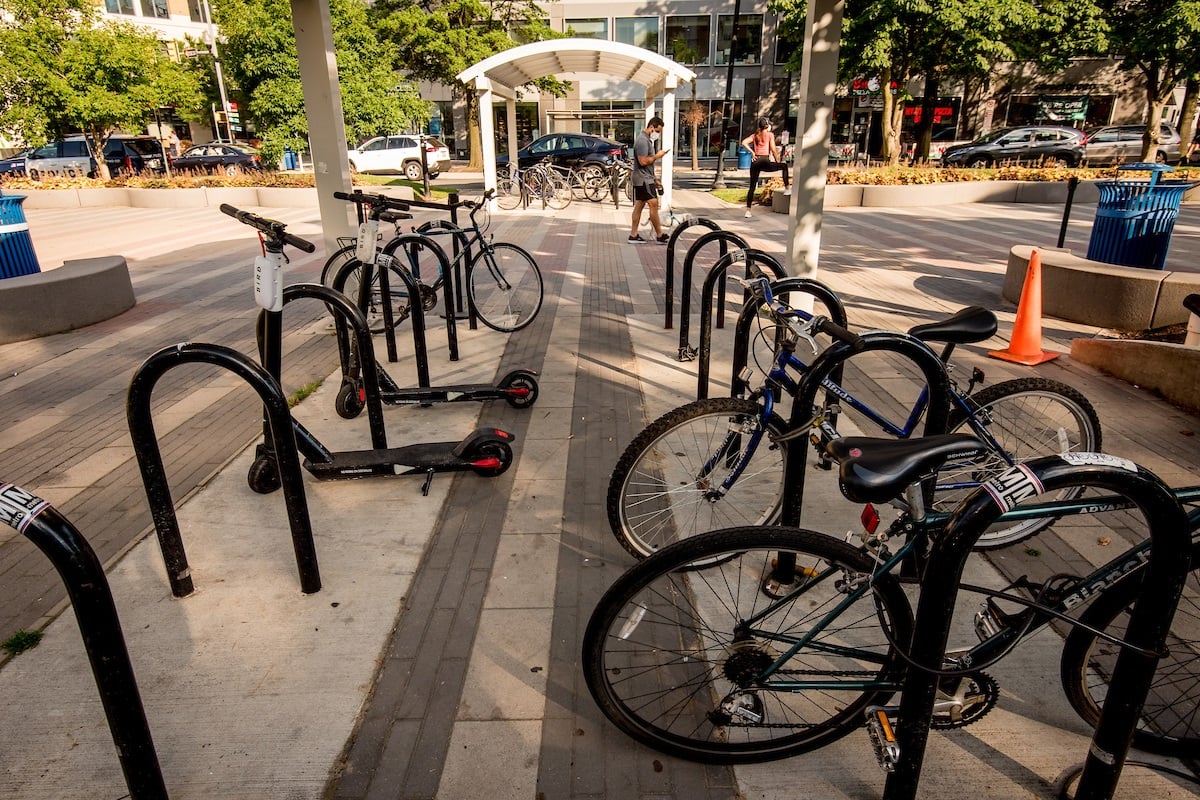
{"x": 1146, "y": 634}
{"x": 149, "y": 457}
{"x": 92, "y": 600}
{"x": 756, "y": 261}
{"x": 724, "y": 238}
{"x": 682, "y": 225}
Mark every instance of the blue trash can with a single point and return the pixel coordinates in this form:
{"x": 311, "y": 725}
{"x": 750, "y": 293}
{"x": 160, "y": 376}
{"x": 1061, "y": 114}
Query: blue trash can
{"x": 744, "y": 158}
{"x": 289, "y": 160}
{"x": 1135, "y": 218}
{"x": 16, "y": 248}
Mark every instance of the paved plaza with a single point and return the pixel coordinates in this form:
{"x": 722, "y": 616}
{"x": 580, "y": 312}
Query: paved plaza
{"x": 441, "y": 657}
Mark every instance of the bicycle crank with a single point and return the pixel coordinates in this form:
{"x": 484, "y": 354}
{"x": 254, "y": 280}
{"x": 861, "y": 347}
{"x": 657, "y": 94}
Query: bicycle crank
{"x": 963, "y": 700}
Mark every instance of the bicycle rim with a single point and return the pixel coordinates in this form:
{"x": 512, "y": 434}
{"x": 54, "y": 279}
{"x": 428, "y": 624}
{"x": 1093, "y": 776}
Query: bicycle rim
{"x": 505, "y": 287}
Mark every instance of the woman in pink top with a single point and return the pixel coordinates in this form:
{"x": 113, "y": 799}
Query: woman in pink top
{"x": 761, "y": 145}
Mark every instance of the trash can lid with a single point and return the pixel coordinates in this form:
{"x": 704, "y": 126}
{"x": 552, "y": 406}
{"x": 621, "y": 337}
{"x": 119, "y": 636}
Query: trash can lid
{"x": 1155, "y": 170}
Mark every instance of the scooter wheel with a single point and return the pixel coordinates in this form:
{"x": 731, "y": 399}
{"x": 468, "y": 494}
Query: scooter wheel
{"x": 499, "y": 451}
{"x": 263, "y": 476}
{"x": 349, "y": 402}
{"x": 526, "y": 382}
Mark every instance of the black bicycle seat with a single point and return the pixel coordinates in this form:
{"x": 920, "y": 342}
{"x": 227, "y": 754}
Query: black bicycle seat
{"x": 874, "y": 470}
{"x": 972, "y": 324}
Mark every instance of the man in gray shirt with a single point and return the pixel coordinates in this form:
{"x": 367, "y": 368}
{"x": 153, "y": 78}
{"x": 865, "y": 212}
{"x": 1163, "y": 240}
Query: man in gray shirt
{"x": 646, "y": 187}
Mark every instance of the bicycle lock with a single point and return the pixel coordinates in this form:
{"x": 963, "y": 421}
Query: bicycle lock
{"x": 1150, "y": 621}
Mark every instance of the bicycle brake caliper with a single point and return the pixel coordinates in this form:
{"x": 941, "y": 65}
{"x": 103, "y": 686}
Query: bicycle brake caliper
{"x": 883, "y": 737}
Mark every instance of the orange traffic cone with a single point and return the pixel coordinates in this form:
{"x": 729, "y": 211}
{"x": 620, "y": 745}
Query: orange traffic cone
{"x": 1026, "y": 344}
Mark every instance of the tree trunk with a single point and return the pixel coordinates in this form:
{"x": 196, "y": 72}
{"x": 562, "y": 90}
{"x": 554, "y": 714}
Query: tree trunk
{"x": 893, "y": 116}
{"x": 1157, "y": 91}
{"x": 96, "y": 141}
{"x": 695, "y": 145}
{"x": 925, "y": 127}
{"x": 1187, "y": 117}
{"x": 474, "y": 137}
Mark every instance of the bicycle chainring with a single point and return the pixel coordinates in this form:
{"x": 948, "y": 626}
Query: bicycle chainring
{"x": 961, "y": 701}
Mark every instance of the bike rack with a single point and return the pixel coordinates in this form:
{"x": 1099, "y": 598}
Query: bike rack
{"x": 714, "y": 281}
{"x": 683, "y": 224}
{"x": 92, "y": 600}
{"x": 1166, "y": 572}
{"x": 741, "y": 342}
{"x": 452, "y": 205}
{"x": 725, "y": 238}
{"x": 158, "y": 491}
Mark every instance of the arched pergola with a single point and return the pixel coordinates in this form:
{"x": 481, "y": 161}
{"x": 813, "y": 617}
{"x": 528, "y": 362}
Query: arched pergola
{"x": 503, "y": 75}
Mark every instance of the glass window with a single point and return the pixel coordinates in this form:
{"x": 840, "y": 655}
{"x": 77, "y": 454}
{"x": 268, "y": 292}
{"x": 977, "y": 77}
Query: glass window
{"x": 75, "y": 148}
{"x": 638, "y": 31}
{"x": 195, "y": 13}
{"x": 749, "y": 38}
{"x": 155, "y": 8}
{"x": 543, "y": 145}
{"x": 1109, "y": 135}
{"x": 591, "y": 28}
{"x": 46, "y": 151}
{"x": 688, "y": 39}
{"x": 375, "y": 144}
{"x": 119, "y": 6}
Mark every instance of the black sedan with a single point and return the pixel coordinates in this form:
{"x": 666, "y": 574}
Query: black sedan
{"x": 217, "y": 158}
{"x": 570, "y": 150}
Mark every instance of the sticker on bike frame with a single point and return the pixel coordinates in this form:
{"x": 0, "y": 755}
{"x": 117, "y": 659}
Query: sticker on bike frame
{"x": 1098, "y": 460}
{"x": 18, "y": 507}
{"x": 1012, "y": 486}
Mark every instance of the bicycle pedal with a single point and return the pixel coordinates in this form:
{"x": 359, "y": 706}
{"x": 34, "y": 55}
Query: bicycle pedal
{"x": 883, "y": 737}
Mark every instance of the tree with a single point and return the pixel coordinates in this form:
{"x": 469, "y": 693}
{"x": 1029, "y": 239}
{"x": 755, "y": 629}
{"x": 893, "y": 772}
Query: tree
{"x": 63, "y": 70}
{"x": 694, "y": 114}
{"x": 259, "y": 54}
{"x": 438, "y": 39}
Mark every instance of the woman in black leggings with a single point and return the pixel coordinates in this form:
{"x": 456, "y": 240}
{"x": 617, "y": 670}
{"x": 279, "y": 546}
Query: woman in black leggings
{"x": 761, "y": 145}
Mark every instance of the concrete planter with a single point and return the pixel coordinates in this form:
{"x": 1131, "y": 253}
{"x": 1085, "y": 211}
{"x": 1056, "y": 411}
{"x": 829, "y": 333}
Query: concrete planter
{"x": 167, "y": 198}
{"x": 78, "y": 293}
{"x": 52, "y": 198}
{"x": 239, "y": 196}
{"x": 101, "y": 198}
{"x": 286, "y": 197}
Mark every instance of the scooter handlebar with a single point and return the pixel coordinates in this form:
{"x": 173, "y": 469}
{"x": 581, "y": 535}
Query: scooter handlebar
{"x": 271, "y": 227}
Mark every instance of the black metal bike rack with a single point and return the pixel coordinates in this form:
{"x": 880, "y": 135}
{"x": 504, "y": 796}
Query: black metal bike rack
{"x": 756, "y": 261}
{"x": 725, "y": 238}
{"x": 158, "y": 492}
{"x": 451, "y": 206}
{"x": 1146, "y": 634}
{"x": 92, "y": 600}
{"x": 684, "y": 223}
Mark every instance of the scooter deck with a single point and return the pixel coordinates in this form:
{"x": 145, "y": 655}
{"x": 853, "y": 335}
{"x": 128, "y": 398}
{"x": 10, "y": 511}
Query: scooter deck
{"x": 408, "y": 460}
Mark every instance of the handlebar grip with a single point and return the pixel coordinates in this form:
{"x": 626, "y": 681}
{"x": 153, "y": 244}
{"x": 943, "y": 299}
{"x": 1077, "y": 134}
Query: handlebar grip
{"x": 345, "y": 195}
{"x": 230, "y": 210}
{"x": 489, "y": 194}
{"x": 842, "y": 334}
{"x": 298, "y": 243}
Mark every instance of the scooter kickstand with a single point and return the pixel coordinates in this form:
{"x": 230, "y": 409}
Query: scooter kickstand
{"x": 428, "y": 481}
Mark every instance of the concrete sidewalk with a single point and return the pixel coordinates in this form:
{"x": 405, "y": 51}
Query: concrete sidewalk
{"x": 440, "y": 659}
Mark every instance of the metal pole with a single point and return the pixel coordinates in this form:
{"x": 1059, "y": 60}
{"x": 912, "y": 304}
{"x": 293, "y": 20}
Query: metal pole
{"x": 719, "y": 178}
{"x": 211, "y": 35}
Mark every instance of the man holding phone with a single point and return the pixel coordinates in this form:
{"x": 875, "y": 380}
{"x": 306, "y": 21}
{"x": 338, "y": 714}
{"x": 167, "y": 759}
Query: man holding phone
{"x": 646, "y": 187}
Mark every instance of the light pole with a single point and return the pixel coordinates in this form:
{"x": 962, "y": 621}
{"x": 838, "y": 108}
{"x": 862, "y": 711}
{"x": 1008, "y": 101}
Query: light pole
{"x": 211, "y": 36}
{"x": 719, "y": 178}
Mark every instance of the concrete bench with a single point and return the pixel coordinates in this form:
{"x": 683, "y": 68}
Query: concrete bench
{"x": 76, "y": 294}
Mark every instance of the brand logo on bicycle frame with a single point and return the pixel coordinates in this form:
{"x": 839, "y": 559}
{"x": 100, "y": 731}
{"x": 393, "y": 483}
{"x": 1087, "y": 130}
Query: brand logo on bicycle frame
{"x": 1089, "y": 591}
{"x": 1012, "y": 486}
{"x": 18, "y": 507}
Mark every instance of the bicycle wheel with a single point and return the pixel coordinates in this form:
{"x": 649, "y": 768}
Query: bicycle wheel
{"x": 1028, "y": 418}
{"x": 505, "y": 287}
{"x": 598, "y": 187}
{"x": 557, "y": 191}
{"x": 1170, "y": 719}
{"x": 664, "y": 487}
{"x": 374, "y": 308}
{"x": 681, "y": 658}
{"x": 581, "y": 178}
{"x": 334, "y": 263}
{"x": 508, "y": 193}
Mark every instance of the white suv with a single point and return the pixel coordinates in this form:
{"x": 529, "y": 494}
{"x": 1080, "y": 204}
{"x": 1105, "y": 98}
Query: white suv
{"x": 402, "y": 154}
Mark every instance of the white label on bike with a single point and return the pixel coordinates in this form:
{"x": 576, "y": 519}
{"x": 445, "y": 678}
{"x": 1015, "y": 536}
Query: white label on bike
{"x": 368, "y": 236}
{"x": 737, "y": 256}
{"x": 1098, "y": 460}
{"x": 268, "y": 283}
{"x": 383, "y": 260}
{"x": 631, "y": 624}
{"x": 1013, "y": 486}
{"x": 18, "y": 507}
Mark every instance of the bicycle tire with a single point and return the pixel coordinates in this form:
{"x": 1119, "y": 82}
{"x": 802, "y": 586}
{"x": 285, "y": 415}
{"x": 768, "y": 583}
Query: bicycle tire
{"x": 374, "y": 310}
{"x": 580, "y": 178}
{"x": 1029, "y": 418}
{"x": 668, "y": 653}
{"x": 557, "y": 192}
{"x": 597, "y": 187}
{"x": 508, "y": 194}
{"x": 1170, "y": 718}
{"x": 334, "y": 263}
{"x": 504, "y": 286}
{"x": 654, "y": 495}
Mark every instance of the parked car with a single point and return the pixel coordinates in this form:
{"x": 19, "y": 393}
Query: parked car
{"x": 124, "y": 154}
{"x": 14, "y": 164}
{"x": 1117, "y": 144}
{"x": 1049, "y": 144}
{"x": 218, "y": 157}
{"x": 400, "y": 153}
{"x": 942, "y": 141}
{"x": 570, "y": 150}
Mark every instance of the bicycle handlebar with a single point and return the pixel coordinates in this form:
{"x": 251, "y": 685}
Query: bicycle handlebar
{"x": 760, "y": 287}
{"x": 375, "y": 201}
{"x": 272, "y": 228}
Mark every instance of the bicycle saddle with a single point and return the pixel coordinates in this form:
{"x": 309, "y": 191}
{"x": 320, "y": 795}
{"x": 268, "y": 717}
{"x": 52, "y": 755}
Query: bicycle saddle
{"x": 876, "y": 470}
{"x": 972, "y": 324}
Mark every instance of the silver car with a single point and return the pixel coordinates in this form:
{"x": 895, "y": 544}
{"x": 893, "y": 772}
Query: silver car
{"x": 1118, "y": 144}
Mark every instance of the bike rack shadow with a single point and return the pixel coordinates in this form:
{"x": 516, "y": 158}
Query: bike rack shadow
{"x": 725, "y": 238}
{"x": 92, "y": 600}
{"x": 1146, "y": 634}
{"x": 158, "y": 491}
{"x": 756, "y": 262}
{"x": 682, "y": 225}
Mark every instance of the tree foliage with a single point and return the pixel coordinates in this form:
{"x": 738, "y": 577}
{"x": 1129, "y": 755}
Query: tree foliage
{"x": 64, "y": 70}
{"x": 259, "y": 54}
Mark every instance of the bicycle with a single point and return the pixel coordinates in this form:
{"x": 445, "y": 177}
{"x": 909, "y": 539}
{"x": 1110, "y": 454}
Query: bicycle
{"x": 720, "y": 462}
{"x": 757, "y": 643}
{"x": 541, "y": 181}
{"x": 617, "y": 180}
{"x": 504, "y": 284}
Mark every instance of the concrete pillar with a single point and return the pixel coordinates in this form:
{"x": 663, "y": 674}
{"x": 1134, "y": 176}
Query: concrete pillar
{"x": 323, "y": 110}
{"x": 818, "y": 75}
{"x": 669, "y": 138}
{"x": 510, "y": 114}
{"x": 487, "y": 132}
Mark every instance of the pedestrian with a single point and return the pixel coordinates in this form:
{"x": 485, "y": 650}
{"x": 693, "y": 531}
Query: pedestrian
{"x": 762, "y": 147}
{"x": 172, "y": 142}
{"x": 646, "y": 186}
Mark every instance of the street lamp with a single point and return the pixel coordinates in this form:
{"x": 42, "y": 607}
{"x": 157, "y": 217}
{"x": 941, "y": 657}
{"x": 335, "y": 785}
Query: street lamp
{"x": 210, "y": 38}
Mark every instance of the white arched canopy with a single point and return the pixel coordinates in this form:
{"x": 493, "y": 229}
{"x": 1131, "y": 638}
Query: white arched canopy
{"x": 503, "y": 75}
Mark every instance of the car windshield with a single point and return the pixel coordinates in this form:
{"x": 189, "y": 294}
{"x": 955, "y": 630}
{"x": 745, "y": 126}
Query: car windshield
{"x": 145, "y": 147}
{"x": 992, "y": 136}
{"x": 435, "y": 142}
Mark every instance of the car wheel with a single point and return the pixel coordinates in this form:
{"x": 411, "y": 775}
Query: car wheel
{"x": 353, "y": 168}
{"x": 34, "y": 175}
{"x": 232, "y": 169}
{"x": 978, "y": 161}
{"x": 1160, "y": 158}
{"x": 412, "y": 170}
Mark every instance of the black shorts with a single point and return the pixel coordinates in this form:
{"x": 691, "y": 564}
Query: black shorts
{"x": 645, "y": 192}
